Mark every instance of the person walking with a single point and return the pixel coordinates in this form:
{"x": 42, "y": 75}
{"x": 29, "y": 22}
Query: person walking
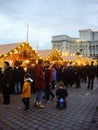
{"x": 39, "y": 82}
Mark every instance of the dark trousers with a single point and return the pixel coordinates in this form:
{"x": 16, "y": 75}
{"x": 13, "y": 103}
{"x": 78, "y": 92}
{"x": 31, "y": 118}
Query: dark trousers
{"x": 48, "y": 92}
{"x": 53, "y": 84}
{"x": 77, "y": 83}
{"x": 6, "y": 95}
{"x": 90, "y": 82}
{"x": 26, "y": 102}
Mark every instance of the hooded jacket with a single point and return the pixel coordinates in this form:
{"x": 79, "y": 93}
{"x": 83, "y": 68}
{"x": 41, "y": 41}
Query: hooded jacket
{"x": 26, "y": 91}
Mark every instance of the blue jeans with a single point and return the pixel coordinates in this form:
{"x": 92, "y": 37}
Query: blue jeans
{"x": 17, "y": 87}
{"x": 39, "y": 95}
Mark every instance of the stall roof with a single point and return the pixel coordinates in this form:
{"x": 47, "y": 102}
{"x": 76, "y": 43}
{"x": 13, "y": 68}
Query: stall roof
{"x": 5, "y": 48}
{"x": 70, "y": 58}
{"x": 44, "y": 53}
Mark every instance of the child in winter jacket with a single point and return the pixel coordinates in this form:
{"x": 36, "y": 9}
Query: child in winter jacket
{"x": 26, "y": 91}
{"x": 61, "y": 95}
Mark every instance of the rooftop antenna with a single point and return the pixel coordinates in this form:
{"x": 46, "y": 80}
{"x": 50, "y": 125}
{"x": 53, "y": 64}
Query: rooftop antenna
{"x": 37, "y": 46}
{"x": 27, "y": 32}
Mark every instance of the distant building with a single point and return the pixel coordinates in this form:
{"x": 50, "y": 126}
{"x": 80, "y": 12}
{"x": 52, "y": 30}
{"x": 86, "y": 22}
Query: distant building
{"x": 86, "y": 45}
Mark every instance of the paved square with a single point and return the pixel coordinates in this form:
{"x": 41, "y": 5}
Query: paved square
{"x": 81, "y": 113}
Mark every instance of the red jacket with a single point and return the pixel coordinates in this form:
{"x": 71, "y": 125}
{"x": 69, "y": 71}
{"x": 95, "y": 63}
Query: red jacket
{"x": 39, "y": 77}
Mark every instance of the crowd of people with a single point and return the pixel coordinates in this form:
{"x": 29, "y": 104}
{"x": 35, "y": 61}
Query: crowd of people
{"x": 42, "y": 78}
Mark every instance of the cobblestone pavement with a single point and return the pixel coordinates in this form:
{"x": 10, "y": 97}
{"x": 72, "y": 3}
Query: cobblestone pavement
{"x": 81, "y": 113}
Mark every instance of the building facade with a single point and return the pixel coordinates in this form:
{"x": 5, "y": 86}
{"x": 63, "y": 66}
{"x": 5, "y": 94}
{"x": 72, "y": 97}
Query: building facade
{"x": 86, "y": 44}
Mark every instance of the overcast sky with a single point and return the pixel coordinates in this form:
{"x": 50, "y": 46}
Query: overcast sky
{"x": 45, "y": 18}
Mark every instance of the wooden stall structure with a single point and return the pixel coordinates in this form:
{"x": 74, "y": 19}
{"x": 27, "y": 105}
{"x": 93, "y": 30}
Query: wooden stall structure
{"x": 51, "y": 55}
{"x": 17, "y": 53}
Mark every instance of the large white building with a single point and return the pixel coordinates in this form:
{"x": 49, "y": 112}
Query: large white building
{"x": 86, "y": 45}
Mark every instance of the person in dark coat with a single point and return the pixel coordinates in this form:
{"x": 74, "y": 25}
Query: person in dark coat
{"x": 91, "y": 75}
{"x": 68, "y": 76}
{"x": 21, "y": 72}
{"x": 16, "y": 79}
{"x": 97, "y": 71}
{"x": 48, "y": 80}
{"x": 61, "y": 92}
{"x": 39, "y": 82}
{"x": 77, "y": 76}
{"x": 6, "y": 82}
{"x": 31, "y": 71}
